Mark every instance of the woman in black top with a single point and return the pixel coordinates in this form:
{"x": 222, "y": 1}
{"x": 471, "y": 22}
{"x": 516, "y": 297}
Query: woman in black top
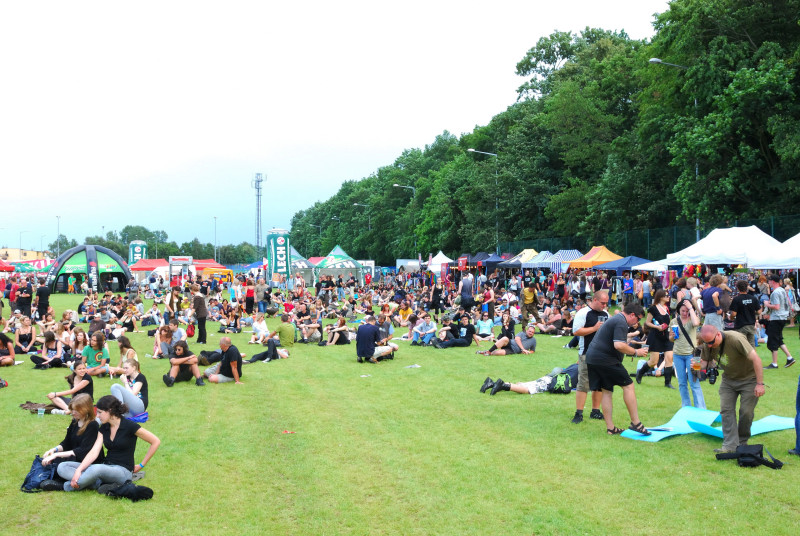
{"x": 657, "y": 322}
{"x": 80, "y": 438}
{"x": 133, "y": 390}
{"x": 52, "y": 353}
{"x": 80, "y": 382}
{"x": 7, "y": 351}
{"x": 506, "y": 326}
{"x": 118, "y": 436}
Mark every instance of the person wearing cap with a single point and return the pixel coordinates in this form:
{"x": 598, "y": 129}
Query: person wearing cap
{"x": 523, "y": 343}
{"x": 779, "y": 314}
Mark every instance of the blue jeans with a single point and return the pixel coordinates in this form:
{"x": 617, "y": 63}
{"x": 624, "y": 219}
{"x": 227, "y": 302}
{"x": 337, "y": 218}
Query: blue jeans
{"x": 425, "y": 338}
{"x": 682, "y": 365}
{"x": 262, "y": 306}
{"x": 94, "y": 475}
{"x": 134, "y": 403}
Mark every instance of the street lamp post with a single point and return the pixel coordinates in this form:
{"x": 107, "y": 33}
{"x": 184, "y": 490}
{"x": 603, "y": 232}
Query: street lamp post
{"x": 58, "y": 237}
{"x": 41, "y": 243}
{"x": 320, "y": 232}
{"x": 215, "y": 239}
{"x": 413, "y": 196}
{"x": 369, "y": 216}
{"x": 659, "y": 61}
{"x": 20, "y": 243}
{"x": 496, "y": 210}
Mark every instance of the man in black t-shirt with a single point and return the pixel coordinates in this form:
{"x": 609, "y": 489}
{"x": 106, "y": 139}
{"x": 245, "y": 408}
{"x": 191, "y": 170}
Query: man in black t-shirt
{"x": 24, "y": 294}
{"x": 604, "y": 361}
{"x": 744, "y": 309}
{"x": 229, "y": 369}
{"x": 42, "y": 298}
{"x": 464, "y": 334}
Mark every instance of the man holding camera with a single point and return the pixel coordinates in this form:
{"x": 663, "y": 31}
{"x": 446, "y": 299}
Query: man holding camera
{"x": 742, "y": 378}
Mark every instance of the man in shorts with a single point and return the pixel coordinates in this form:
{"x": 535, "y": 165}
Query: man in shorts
{"x": 586, "y": 324}
{"x": 368, "y": 339}
{"x": 604, "y": 362}
{"x": 523, "y": 343}
{"x": 229, "y": 368}
{"x": 545, "y": 384}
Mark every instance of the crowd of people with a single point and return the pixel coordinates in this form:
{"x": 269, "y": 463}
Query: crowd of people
{"x": 680, "y": 329}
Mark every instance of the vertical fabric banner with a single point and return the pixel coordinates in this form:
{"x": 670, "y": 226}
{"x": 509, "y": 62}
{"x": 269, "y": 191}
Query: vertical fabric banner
{"x": 278, "y": 253}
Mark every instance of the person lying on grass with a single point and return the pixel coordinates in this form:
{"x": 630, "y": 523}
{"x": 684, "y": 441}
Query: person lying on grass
{"x": 545, "y": 384}
{"x": 183, "y": 366}
{"x": 282, "y": 337}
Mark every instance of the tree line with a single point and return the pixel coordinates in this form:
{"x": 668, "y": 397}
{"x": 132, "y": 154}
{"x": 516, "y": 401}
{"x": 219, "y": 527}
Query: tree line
{"x": 159, "y": 246}
{"x": 601, "y": 139}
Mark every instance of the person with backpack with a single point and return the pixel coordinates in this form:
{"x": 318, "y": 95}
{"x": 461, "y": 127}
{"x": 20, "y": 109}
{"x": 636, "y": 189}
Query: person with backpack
{"x": 557, "y": 381}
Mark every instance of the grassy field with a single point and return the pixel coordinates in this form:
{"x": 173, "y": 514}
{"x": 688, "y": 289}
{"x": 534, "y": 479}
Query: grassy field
{"x": 386, "y": 449}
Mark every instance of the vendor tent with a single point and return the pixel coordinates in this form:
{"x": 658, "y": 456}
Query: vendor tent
{"x": 516, "y": 261}
{"x": 490, "y": 262}
{"x": 541, "y": 257}
{"x": 103, "y": 268}
{"x": 620, "y": 265}
{"x": 148, "y": 265}
{"x": 731, "y": 245}
{"x": 337, "y": 262}
{"x": 654, "y": 266}
{"x": 560, "y": 260}
{"x": 596, "y": 255}
{"x": 437, "y": 261}
{"x": 301, "y": 265}
{"x": 783, "y": 256}
{"x": 5, "y": 267}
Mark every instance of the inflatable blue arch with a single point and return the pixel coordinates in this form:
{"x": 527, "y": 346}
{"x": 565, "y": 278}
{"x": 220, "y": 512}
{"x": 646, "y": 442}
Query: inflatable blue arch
{"x": 101, "y": 267}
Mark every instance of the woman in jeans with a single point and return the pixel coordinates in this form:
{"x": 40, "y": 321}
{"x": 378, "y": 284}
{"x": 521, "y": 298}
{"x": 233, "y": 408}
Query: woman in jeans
{"x": 683, "y": 348}
{"x": 118, "y": 435}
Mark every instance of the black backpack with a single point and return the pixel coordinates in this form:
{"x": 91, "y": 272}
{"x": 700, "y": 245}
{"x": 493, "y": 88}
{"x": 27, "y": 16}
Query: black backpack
{"x": 751, "y": 456}
{"x": 37, "y": 474}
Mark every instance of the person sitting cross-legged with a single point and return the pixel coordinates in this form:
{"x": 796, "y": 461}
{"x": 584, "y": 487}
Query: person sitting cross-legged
{"x": 424, "y": 332}
{"x": 277, "y": 342}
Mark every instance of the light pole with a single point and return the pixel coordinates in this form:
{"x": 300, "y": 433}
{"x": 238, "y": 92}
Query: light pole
{"x": 413, "y": 196}
{"x": 369, "y": 216}
{"x": 496, "y": 211}
{"x": 215, "y": 239}
{"x": 41, "y": 243}
{"x": 58, "y": 237}
{"x": 658, "y": 61}
{"x": 320, "y": 232}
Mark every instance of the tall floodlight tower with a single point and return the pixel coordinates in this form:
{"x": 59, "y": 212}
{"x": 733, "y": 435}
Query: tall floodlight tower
{"x": 257, "y": 185}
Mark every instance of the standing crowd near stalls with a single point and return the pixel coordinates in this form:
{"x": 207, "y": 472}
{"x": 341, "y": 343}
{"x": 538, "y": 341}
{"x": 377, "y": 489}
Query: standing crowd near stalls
{"x": 684, "y": 328}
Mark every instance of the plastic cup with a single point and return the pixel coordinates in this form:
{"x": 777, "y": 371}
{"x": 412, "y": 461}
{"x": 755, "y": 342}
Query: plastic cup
{"x": 695, "y": 365}
{"x": 40, "y": 412}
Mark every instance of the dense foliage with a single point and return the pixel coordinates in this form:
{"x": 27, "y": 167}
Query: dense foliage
{"x": 600, "y": 140}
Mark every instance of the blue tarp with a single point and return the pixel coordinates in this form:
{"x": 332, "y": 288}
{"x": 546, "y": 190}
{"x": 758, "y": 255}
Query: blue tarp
{"x": 621, "y": 264}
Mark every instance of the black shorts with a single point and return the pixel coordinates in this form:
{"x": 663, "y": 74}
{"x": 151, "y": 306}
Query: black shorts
{"x": 775, "y": 334}
{"x": 184, "y": 373}
{"x": 604, "y": 378}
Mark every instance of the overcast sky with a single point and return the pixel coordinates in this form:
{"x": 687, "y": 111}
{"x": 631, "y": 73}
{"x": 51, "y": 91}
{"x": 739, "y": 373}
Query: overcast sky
{"x": 160, "y": 113}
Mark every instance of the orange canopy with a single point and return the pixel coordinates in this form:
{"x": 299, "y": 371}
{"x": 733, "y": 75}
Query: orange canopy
{"x": 596, "y": 255}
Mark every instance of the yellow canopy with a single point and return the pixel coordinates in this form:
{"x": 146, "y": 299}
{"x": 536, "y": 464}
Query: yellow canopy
{"x": 596, "y": 255}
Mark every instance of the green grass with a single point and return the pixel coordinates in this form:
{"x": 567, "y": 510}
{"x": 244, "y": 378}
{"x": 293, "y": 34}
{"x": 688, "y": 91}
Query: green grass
{"x": 402, "y": 451}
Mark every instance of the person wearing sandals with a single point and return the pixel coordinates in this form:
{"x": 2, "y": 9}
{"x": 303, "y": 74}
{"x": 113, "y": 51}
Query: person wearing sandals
{"x": 79, "y": 440}
{"x": 133, "y": 391}
{"x": 604, "y": 362}
{"x": 118, "y": 435}
{"x": 80, "y": 383}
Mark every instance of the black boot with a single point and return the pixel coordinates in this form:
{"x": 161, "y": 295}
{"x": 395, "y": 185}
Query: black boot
{"x": 500, "y": 385}
{"x": 669, "y": 372}
{"x": 487, "y": 384}
{"x": 641, "y": 372}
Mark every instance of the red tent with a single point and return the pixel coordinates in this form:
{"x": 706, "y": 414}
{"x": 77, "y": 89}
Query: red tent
{"x": 147, "y": 265}
{"x": 5, "y": 267}
{"x": 208, "y": 264}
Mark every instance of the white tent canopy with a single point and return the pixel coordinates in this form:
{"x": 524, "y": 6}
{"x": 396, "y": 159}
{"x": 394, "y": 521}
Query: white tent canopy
{"x": 731, "y": 245}
{"x": 437, "y": 261}
{"x": 652, "y": 266}
{"x": 783, "y": 256}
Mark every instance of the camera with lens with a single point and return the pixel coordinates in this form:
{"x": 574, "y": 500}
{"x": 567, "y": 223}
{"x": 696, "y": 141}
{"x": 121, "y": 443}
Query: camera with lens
{"x": 712, "y": 374}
